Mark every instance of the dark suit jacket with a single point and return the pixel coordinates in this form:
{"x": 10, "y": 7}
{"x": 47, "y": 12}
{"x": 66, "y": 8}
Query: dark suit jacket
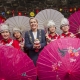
{"x": 29, "y": 44}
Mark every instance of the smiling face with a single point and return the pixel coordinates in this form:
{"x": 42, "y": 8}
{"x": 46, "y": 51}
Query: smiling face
{"x": 33, "y": 23}
{"x": 52, "y": 29}
{"x": 17, "y": 34}
{"x": 65, "y": 28}
{"x": 5, "y": 34}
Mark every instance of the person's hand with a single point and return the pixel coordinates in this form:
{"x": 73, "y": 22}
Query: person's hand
{"x": 47, "y": 37}
{"x": 72, "y": 35}
{"x": 21, "y": 45}
{"x": 37, "y": 46}
{"x": 79, "y": 32}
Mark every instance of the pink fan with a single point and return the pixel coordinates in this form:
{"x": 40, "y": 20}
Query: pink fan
{"x": 60, "y": 60}
{"x": 15, "y": 65}
{"x": 74, "y": 20}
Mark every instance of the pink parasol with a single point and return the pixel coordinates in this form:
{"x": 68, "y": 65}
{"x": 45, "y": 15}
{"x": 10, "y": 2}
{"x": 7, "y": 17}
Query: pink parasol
{"x": 15, "y": 65}
{"x": 60, "y": 60}
{"x": 74, "y": 20}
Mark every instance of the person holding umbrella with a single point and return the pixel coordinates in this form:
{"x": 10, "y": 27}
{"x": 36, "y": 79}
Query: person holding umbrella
{"x": 51, "y": 35}
{"x": 6, "y": 39}
{"x": 65, "y": 29}
{"x": 34, "y": 39}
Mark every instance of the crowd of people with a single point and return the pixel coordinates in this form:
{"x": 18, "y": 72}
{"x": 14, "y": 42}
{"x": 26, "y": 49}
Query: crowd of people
{"x": 35, "y": 39}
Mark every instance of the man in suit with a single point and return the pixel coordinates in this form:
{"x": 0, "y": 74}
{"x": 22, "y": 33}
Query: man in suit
{"x": 34, "y": 40}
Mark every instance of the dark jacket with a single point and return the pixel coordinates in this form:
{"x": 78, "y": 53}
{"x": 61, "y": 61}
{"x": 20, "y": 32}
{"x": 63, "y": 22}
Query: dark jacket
{"x": 29, "y": 39}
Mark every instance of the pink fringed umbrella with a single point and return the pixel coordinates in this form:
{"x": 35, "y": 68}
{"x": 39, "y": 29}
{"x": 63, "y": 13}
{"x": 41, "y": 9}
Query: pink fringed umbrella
{"x": 74, "y": 20}
{"x": 15, "y": 65}
{"x": 60, "y": 60}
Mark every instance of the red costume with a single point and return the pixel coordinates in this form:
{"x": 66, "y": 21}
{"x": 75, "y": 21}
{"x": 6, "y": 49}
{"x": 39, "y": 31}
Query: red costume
{"x": 56, "y": 36}
{"x": 10, "y": 42}
{"x": 20, "y": 42}
{"x": 78, "y": 35}
{"x": 69, "y": 34}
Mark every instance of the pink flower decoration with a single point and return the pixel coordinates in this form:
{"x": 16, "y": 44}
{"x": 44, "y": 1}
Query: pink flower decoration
{"x": 76, "y": 54}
